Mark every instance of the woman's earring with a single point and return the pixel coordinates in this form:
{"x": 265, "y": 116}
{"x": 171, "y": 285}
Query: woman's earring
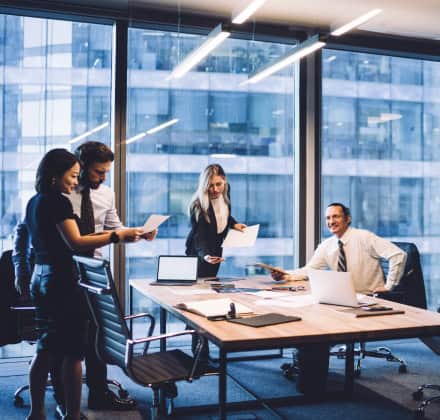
{"x": 54, "y": 181}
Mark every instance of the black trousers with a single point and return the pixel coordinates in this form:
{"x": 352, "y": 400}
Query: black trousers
{"x": 313, "y": 361}
{"x": 96, "y": 369}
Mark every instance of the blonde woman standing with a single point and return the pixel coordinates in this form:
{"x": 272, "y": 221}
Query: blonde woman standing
{"x": 210, "y": 213}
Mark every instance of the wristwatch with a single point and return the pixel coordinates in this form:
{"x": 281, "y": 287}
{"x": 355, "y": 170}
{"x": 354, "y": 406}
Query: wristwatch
{"x": 114, "y": 238}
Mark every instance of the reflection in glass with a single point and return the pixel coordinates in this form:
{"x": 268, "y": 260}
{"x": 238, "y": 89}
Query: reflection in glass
{"x": 381, "y": 148}
{"x": 248, "y": 130}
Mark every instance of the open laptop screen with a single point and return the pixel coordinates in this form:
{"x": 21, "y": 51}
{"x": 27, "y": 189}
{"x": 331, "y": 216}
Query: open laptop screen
{"x": 176, "y": 268}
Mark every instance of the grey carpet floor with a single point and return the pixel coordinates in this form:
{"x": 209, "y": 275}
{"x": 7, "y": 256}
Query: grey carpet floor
{"x": 380, "y": 392}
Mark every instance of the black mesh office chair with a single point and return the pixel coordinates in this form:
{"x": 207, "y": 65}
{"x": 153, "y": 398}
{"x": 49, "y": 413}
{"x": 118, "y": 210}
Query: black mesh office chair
{"x": 115, "y": 344}
{"x": 409, "y": 291}
{"x": 16, "y": 314}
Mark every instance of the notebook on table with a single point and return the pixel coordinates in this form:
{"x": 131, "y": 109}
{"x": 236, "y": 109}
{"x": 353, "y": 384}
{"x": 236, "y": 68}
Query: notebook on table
{"x": 265, "y": 320}
{"x": 336, "y": 288}
{"x": 176, "y": 270}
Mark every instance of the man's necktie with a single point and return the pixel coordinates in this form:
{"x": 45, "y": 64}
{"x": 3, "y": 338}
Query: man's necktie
{"x": 87, "y": 216}
{"x": 342, "y": 261}
{"x": 87, "y": 222}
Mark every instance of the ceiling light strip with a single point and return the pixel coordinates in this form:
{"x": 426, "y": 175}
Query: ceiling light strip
{"x": 307, "y": 47}
{"x": 247, "y": 12}
{"x": 152, "y": 131}
{"x": 215, "y": 38}
{"x": 88, "y": 133}
{"x": 356, "y": 22}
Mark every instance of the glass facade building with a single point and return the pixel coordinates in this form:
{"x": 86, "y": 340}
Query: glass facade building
{"x": 380, "y": 148}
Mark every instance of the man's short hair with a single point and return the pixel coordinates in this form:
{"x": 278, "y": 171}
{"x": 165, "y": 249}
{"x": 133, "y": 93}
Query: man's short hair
{"x": 93, "y": 151}
{"x": 345, "y": 209}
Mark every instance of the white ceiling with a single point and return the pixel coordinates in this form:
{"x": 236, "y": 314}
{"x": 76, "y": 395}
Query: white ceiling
{"x": 414, "y": 18}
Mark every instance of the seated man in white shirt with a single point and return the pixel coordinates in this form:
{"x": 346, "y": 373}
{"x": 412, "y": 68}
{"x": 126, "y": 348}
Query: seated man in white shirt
{"x": 362, "y": 251}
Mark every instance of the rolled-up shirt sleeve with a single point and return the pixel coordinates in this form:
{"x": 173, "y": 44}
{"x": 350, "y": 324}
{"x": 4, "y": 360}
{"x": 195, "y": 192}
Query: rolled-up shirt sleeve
{"x": 396, "y": 257}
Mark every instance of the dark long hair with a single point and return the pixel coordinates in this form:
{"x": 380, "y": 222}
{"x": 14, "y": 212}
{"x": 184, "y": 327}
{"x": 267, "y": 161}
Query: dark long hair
{"x": 54, "y": 164}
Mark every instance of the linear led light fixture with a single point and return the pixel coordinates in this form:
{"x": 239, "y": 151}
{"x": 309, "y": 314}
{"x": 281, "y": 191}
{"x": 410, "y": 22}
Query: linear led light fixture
{"x": 88, "y": 133}
{"x": 307, "y": 47}
{"x": 152, "y": 130}
{"x": 248, "y": 11}
{"x": 214, "y": 39}
{"x": 356, "y": 22}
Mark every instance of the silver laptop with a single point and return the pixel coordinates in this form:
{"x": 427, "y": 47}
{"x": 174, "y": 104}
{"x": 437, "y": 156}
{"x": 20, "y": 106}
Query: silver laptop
{"x": 335, "y": 288}
{"x": 176, "y": 270}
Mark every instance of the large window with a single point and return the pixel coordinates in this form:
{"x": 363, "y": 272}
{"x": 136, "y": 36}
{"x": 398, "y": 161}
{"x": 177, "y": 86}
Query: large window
{"x": 381, "y": 149}
{"x": 55, "y": 85}
{"x": 248, "y": 130}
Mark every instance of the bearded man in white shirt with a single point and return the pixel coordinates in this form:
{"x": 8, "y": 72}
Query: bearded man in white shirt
{"x": 362, "y": 251}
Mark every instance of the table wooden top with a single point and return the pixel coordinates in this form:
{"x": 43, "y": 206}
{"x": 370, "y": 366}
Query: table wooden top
{"x": 320, "y": 323}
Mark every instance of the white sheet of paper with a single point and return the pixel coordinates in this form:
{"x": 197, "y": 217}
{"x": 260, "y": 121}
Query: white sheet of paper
{"x": 235, "y": 238}
{"x": 190, "y": 291}
{"x": 288, "y": 302}
{"x": 153, "y": 222}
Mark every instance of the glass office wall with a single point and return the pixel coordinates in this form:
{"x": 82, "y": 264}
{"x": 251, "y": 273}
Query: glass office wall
{"x": 55, "y": 85}
{"x": 249, "y": 130}
{"x": 381, "y": 149}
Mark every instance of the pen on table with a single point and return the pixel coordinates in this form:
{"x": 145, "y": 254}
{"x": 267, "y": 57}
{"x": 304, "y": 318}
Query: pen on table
{"x": 233, "y": 312}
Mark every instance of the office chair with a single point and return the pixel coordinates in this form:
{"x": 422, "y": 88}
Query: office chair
{"x": 16, "y": 314}
{"x": 409, "y": 291}
{"x": 114, "y": 342}
{"x": 434, "y": 344}
{"x": 17, "y": 320}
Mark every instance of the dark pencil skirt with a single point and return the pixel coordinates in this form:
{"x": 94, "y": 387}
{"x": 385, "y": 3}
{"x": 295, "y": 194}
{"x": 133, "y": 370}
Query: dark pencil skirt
{"x": 60, "y": 310}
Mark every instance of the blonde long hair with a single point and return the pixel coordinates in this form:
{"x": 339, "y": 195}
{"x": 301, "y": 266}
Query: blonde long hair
{"x": 200, "y": 199}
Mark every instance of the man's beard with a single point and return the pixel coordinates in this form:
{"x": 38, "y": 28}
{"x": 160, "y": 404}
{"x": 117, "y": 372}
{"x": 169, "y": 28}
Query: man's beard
{"x": 92, "y": 185}
{"x": 95, "y": 185}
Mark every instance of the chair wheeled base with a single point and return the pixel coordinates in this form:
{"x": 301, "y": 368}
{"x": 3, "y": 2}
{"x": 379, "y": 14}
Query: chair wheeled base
{"x": 418, "y": 396}
{"x": 361, "y": 352}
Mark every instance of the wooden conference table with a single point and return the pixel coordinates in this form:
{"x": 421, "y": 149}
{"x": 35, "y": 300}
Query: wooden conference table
{"x": 319, "y": 324}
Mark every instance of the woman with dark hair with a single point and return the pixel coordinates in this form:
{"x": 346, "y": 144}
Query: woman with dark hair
{"x": 210, "y": 213}
{"x": 54, "y": 290}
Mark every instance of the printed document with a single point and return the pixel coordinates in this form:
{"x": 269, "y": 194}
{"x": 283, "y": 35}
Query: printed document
{"x": 153, "y": 222}
{"x": 235, "y": 238}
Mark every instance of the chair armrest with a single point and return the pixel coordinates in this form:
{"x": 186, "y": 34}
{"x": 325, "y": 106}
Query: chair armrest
{"x": 93, "y": 289}
{"x": 149, "y": 330}
{"x": 133, "y": 342}
{"x": 22, "y": 308}
{"x": 141, "y": 315}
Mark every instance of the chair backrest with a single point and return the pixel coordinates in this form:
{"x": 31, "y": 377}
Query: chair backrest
{"x": 97, "y": 281}
{"x": 8, "y": 297}
{"x": 411, "y": 288}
